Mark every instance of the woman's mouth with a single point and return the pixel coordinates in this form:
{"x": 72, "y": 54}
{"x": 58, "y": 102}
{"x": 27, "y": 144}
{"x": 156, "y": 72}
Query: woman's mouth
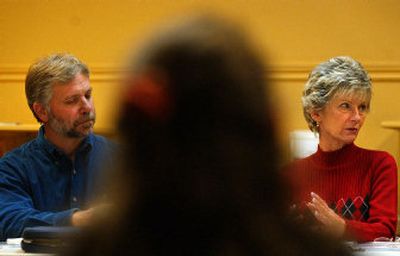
{"x": 352, "y": 130}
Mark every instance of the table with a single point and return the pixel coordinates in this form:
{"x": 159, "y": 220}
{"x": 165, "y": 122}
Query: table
{"x": 13, "y": 248}
{"x": 376, "y": 248}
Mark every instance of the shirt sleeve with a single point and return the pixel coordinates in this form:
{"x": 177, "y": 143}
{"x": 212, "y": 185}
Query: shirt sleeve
{"x": 16, "y": 207}
{"x": 382, "y": 219}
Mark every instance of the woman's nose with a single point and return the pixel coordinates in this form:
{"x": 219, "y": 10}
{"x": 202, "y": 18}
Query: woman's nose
{"x": 356, "y": 114}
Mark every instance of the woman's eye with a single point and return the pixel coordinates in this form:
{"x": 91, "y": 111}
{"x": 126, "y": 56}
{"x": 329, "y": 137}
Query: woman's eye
{"x": 345, "y": 105}
{"x": 362, "y": 108}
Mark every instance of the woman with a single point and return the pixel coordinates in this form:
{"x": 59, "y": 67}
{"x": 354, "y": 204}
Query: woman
{"x": 199, "y": 174}
{"x": 351, "y": 191}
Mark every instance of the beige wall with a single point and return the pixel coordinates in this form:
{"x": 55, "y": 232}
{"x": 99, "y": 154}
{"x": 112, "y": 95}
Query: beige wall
{"x": 295, "y": 35}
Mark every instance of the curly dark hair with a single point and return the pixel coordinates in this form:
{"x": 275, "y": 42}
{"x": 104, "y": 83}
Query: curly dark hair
{"x": 199, "y": 172}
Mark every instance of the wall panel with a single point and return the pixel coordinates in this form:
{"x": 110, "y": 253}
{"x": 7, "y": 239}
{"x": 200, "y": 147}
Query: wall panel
{"x": 292, "y": 36}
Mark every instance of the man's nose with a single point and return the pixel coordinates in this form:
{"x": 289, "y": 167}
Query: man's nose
{"x": 86, "y": 106}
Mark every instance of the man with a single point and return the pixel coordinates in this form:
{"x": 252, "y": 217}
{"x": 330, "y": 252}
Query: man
{"x": 51, "y": 179}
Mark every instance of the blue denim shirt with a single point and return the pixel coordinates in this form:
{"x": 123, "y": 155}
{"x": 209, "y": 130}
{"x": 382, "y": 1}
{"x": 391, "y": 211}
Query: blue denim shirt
{"x": 40, "y": 185}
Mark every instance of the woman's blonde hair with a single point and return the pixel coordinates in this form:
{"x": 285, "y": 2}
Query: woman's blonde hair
{"x": 338, "y": 75}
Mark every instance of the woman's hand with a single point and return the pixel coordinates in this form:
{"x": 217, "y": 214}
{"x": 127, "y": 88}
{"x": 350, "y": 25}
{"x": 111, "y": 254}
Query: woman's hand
{"x": 332, "y": 222}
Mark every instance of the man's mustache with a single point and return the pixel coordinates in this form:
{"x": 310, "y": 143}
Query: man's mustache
{"x": 85, "y": 118}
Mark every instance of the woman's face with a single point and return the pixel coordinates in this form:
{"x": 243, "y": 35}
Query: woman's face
{"x": 341, "y": 120}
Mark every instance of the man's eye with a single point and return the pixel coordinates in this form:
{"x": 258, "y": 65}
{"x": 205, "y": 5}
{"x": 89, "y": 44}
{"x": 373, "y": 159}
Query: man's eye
{"x": 345, "y": 105}
{"x": 71, "y": 101}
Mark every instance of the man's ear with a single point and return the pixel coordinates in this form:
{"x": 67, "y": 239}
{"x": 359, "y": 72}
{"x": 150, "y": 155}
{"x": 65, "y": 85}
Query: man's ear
{"x": 40, "y": 112}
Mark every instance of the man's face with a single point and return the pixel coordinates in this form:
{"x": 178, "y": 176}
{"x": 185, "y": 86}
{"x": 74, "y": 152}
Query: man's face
{"x": 72, "y": 113}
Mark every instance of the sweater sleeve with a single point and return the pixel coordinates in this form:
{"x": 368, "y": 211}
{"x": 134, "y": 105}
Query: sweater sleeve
{"x": 17, "y": 210}
{"x": 382, "y": 219}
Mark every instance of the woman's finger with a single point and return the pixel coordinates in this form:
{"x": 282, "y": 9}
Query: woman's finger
{"x": 319, "y": 201}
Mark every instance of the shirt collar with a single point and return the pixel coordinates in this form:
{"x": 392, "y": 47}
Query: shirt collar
{"x": 85, "y": 146}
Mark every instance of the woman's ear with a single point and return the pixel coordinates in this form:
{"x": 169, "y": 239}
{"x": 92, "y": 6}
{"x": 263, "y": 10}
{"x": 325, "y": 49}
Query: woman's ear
{"x": 316, "y": 116}
{"x": 40, "y": 112}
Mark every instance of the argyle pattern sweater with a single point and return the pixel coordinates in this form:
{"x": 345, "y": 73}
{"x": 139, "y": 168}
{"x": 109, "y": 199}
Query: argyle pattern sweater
{"x": 358, "y": 184}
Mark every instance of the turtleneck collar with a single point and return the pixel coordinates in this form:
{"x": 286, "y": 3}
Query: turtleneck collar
{"x": 338, "y": 157}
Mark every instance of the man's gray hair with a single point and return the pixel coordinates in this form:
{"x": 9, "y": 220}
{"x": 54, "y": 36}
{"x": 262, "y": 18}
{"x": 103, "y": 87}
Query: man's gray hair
{"x": 59, "y": 68}
{"x": 338, "y": 75}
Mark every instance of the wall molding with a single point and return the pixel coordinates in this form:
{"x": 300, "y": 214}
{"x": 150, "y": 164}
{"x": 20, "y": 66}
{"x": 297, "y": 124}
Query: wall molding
{"x": 299, "y": 72}
{"x": 378, "y": 73}
{"x": 99, "y": 73}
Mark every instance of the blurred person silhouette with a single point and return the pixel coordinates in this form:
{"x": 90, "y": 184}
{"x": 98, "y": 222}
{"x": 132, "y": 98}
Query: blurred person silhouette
{"x": 351, "y": 191}
{"x": 199, "y": 171}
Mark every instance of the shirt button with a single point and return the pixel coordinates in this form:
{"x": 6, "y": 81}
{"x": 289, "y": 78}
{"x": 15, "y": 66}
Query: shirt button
{"x": 74, "y": 199}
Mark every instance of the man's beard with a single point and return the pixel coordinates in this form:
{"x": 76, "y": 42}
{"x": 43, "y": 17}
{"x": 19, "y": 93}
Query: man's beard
{"x": 62, "y": 128}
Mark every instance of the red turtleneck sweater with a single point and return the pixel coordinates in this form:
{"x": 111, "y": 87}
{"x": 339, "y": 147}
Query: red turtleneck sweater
{"x": 359, "y": 184}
